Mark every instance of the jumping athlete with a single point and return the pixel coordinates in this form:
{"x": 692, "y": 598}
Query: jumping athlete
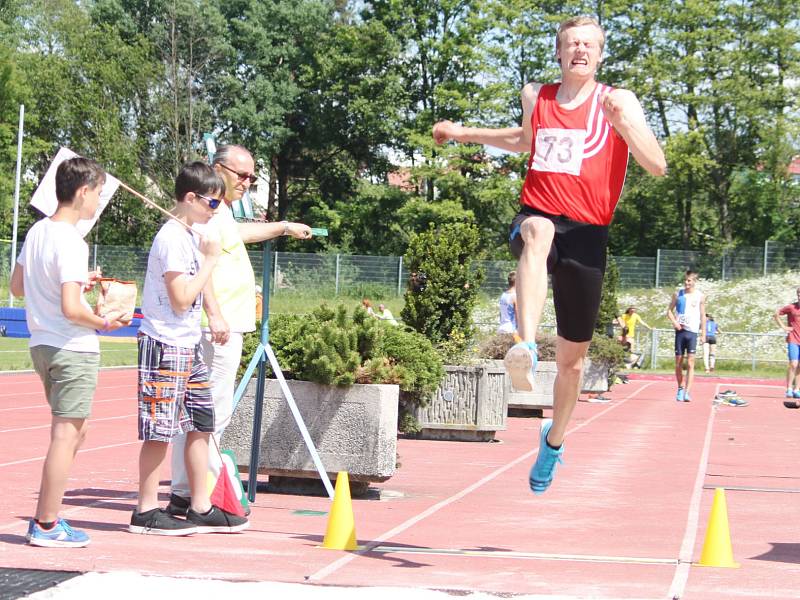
{"x": 579, "y": 133}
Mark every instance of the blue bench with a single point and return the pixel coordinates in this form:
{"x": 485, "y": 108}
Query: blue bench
{"x": 13, "y": 319}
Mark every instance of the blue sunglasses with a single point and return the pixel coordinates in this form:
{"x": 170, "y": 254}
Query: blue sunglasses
{"x": 212, "y": 202}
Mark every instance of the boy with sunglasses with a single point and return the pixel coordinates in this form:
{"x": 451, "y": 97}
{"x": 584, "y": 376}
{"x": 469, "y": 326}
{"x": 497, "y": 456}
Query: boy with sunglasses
{"x": 230, "y": 308}
{"x": 174, "y": 393}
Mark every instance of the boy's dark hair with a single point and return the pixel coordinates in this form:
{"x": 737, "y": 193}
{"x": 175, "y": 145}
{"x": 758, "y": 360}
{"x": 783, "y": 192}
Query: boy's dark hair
{"x": 691, "y": 273}
{"x": 76, "y": 172}
{"x": 197, "y": 177}
{"x": 512, "y": 278}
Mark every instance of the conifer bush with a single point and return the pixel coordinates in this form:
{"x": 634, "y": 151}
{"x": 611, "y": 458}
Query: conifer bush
{"x": 443, "y": 286}
{"x": 332, "y": 347}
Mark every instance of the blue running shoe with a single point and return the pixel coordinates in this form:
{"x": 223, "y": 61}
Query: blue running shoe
{"x": 686, "y": 397}
{"x": 520, "y": 363}
{"x": 679, "y": 395}
{"x": 60, "y": 536}
{"x": 789, "y": 394}
{"x": 735, "y": 402}
{"x": 542, "y": 471}
{"x": 796, "y": 393}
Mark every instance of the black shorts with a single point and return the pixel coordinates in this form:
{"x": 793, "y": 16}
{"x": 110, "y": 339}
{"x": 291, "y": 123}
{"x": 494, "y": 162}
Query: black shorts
{"x": 685, "y": 342}
{"x": 577, "y": 263}
{"x": 712, "y": 340}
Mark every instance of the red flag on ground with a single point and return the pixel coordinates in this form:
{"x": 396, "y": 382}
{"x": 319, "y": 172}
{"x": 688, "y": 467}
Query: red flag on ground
{"x": 224, "y": 495}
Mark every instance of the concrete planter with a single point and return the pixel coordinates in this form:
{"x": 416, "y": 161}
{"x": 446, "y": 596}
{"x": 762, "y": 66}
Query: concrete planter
{"x": 595, "y": 380}
{"x": 542, "y": 394}
{"x": 470, "y": 405}
{"x": 353, "y": 428}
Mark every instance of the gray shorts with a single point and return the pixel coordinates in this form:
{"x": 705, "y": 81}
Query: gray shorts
{"x": 69, "y": 379}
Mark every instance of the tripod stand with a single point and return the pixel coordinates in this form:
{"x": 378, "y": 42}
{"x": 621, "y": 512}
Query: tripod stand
{"x": 262, "y": 354}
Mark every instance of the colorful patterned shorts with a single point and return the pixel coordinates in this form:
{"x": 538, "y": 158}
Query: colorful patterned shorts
{"x": 174, "y": 394}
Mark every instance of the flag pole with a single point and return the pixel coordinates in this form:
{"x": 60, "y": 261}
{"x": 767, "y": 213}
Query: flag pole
{"x": 16, "y": 199}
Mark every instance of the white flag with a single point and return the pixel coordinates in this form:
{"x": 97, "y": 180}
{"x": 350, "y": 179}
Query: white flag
{"x": 44, "y": 198}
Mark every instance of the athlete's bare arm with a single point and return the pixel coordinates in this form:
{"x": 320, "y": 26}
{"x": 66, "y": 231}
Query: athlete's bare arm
{"x": 624, "y": 112}
{"x": 512, "y": 139}
{"x": 702, "y": 333}
{"x": 671, "y": 315}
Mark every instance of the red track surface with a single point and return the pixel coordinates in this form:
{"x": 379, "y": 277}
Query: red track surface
{"x": 625, "y": 517}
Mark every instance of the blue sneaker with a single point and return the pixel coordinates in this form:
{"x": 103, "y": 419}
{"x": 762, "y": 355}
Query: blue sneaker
{"x": 60, "y": 536}
{"x": 796, "y": 394}
{"x": 789, "y": 394}
{"x": 735, "y": 402}
{"x": 679, "y": 396}
{"x": 520, "y": 363}
{"x": 686, "y": 397}
{"x": 542, "y": 471}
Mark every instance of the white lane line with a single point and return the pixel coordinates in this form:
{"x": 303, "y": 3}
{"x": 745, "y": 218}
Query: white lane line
{"x": 341, "y": 562}
{"x": 40, "y": 391}
{"x": 49, "y": 425}
{"x": 758, "y": 385}
{"x": 38, "y": 458}
{"x": 676, "y": 589}
{"x": 633, "y": 560}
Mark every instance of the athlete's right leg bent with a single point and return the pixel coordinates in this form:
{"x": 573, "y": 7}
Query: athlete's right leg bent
{"x": 530, "y": 238}
{"x": 537, "y": 236}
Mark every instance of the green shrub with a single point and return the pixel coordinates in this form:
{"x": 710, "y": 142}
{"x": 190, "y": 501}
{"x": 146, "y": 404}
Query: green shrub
{"x": 443, "y": 287}
{"x": 608, "y": 300}
{"x": 331, "y": 347}
{"x": 603, "y": 350}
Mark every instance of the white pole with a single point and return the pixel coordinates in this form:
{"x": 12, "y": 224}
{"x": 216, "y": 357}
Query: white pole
{"x": 16, "y": 202}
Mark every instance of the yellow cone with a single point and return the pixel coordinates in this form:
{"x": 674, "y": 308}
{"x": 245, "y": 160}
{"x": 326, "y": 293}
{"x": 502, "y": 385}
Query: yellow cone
{"x": 717, "y": 550}
{"x": 341, "y": 532}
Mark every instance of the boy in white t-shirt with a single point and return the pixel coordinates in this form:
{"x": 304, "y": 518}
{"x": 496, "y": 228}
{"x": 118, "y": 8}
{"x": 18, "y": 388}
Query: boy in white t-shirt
{"x": 52, "y": 271}
{"x": 174, "y": 393}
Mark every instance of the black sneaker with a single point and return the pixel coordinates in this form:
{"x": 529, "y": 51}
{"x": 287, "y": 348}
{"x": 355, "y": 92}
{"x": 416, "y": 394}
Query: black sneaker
{"x": 217, "y": 520}
{"x": 178, "y": 506}
{"x": 159, "y": 522}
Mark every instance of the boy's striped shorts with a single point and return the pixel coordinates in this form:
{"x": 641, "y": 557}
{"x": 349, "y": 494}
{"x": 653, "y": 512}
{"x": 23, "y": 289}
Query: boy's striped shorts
{"x": 174, "y": 393}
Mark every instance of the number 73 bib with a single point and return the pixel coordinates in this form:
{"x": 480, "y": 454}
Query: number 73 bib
{"x": 559, "y": 150}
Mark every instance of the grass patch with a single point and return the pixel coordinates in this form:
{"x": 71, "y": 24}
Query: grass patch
{"x": 14, "y": 354}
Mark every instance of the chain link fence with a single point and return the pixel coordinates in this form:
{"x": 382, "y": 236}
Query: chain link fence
{"x": 745, "y": 348}
{"x": 355, "y": 275}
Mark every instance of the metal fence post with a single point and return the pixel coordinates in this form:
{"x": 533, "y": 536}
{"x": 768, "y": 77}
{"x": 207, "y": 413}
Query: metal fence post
{"x": 400, "y": 277}
{"x": 337, "y": 274}
{"x": 723, "y": 265}
{"x": 766, "y": 253}
{"x": 275, "y": 274}
{"x": 654, "y": 349}
{"x": 753, "y": 349}
{"x": 658, "y": 266}
{"x": 94, "y": 261}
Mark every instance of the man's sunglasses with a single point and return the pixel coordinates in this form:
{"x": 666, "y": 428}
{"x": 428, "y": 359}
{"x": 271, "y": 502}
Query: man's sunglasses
{"x": 212, "y": 202}
{"x": 242, "y": 176}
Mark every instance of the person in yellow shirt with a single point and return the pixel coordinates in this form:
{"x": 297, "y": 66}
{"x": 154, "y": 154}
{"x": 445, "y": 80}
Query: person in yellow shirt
{"x": 630, "y": 319}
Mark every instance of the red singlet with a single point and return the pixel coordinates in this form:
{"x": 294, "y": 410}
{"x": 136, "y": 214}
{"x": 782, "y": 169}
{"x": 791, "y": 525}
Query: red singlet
{"x": 578, "y": 162}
